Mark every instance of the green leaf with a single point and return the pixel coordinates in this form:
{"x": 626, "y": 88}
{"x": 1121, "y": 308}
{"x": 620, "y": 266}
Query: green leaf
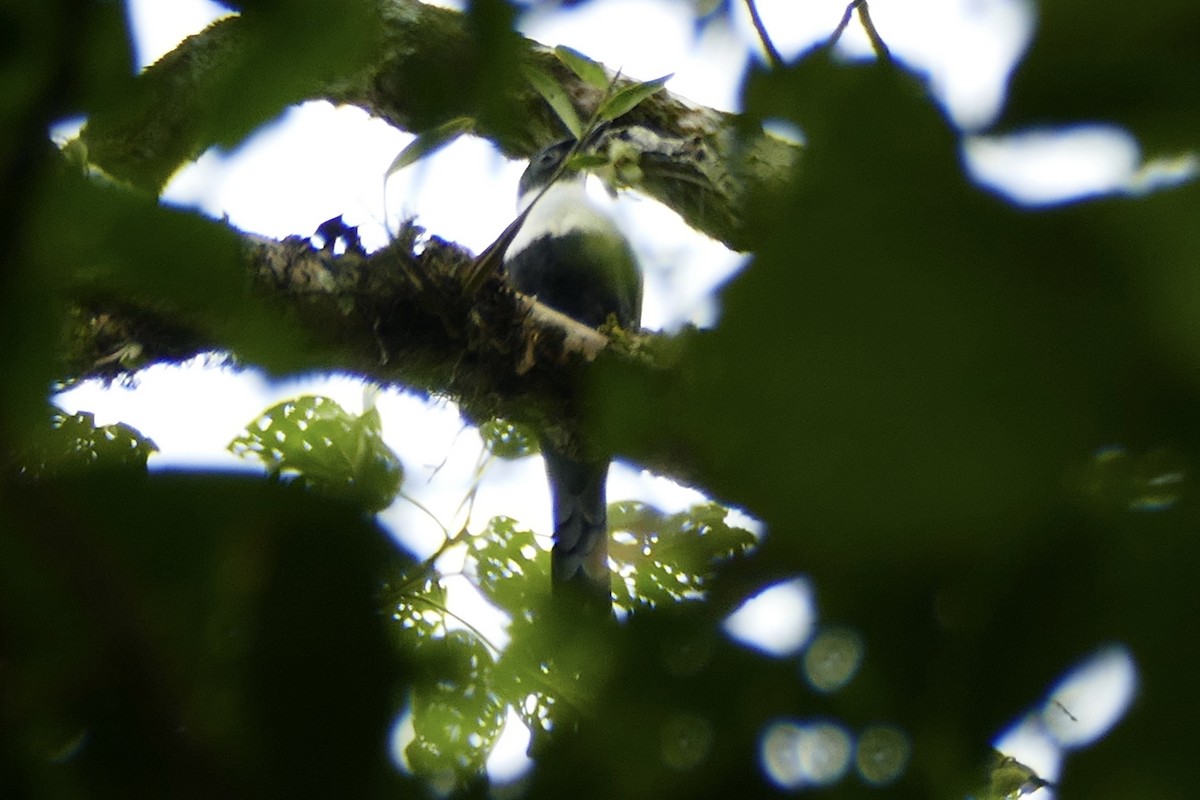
{"x": 429, "y": 142}
{"x": 74, "y": 442}
{"x": 665, "y": 559}
{"x": 586, "y": 161}
{"x": 513, "y": 571}
{"x": 556, "y": 98}
{"x": 508, "y": 440}
{"x": 1092, "y": 60}
{"x": 589, "y": 71}
{"x": 1010, "y": 778}
{"x": 328, "y": 448}
{"x": 455, "y": 715}
{"x": 418, "y": 608}
{"x": 627, "y": 99}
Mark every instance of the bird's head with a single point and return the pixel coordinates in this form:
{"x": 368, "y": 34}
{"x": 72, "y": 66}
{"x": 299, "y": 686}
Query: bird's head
{"x": 542, "y": 168}
{"x": 590, "y": 155}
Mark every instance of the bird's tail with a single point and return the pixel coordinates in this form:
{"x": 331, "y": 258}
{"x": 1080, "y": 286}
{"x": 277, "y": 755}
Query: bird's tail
{"x": 579, "y": 559}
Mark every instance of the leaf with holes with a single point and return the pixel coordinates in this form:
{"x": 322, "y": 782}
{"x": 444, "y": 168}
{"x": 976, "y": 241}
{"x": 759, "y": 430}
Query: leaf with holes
{"x": 325, "y": 448}
{"x": 513, "y": 572}
{"x": 456, "y": 718}
{"x": 507, "y": 439}
{"x": 663, "y": 558}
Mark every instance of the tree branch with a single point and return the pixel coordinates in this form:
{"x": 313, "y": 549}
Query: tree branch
{"x": 703, "y": 163}
{"x": 401, "y": 315}
{"x": 394, "y": 317}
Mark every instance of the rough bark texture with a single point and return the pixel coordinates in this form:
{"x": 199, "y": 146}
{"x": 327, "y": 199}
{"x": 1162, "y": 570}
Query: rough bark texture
{"x": 402, "y": 315}
{"x": 705, "y": 164}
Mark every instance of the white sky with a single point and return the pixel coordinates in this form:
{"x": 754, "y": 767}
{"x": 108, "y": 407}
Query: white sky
{"x": 317, "y": 162}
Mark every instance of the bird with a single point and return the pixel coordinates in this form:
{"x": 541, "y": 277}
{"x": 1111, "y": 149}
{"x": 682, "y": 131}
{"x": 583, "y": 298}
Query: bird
{"x": 572, "y": 257}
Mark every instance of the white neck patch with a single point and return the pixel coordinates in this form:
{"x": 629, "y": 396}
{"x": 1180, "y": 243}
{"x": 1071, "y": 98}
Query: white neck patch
{"x": 564, "y": 208}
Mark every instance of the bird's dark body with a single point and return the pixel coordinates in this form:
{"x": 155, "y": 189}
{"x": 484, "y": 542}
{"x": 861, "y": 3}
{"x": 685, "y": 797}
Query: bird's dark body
{"x": 568, "y": 273}
{"x": 574, "y": 260}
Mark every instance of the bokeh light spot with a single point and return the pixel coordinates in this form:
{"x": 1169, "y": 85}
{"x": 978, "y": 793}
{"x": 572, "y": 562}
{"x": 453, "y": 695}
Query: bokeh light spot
{"x": 882, "y": 754}
{"x": 796, "y": 755}
{"x": 833, "y": 658}
{"x": 686, "y": 741}
{"x": 1150, "y": 481}
{"x": 1157, "y": 482}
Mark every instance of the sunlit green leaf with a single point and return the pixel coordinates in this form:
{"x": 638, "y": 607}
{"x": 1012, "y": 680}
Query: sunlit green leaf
{"x": 663, "y": 558}
{"x": 556, "y": 97}
{"x": 418, "y": 609}
{"x": 513, "y": 571}
{"x": 507, "y": 439}
{"x": 326, "y": 447}
{"x": 628, "y": 98}
{"x": 455, "y": 717}
{"x": 589, "y": 71}
{"x": 429, "y": 142}
{"x": 1009, "y": 779}
{"x": 586, "y": 161}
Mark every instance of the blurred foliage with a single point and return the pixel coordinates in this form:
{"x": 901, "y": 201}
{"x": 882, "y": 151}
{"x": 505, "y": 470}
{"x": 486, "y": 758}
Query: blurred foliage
{"x": 971, "y": 424}
{"x": 74, "y": 442}
{"x": 933, "y": 371}
{"x": 1009, "y": 778}
{"x": 1095, "y": 61}
{"x": 665, "y": 559}
{"x": 507, "y": 439}
{"x": 231, "y": 88}
{"x": 190, "y": 636}
{"x": 545, "y": 673}
{"x": 326, "y": 448}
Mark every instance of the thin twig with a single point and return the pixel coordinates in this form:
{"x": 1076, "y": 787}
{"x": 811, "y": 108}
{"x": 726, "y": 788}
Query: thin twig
{"x": 421, "y": 507}
{"x": 411, "y": 578}
{"x": 774, "y": 58}
{"x": 468, "y": 502}
{"x": 864, "y": 16}
{"x": 841, "y": 26}
{"x": 420, "y": 598}
{"x": 877, "y": 44}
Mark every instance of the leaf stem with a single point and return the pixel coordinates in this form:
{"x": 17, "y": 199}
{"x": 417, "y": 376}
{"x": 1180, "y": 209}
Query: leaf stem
{"x": 864, "y": 16}
{"x": 446, "y": 611}
{"x": 774, "y": 58}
